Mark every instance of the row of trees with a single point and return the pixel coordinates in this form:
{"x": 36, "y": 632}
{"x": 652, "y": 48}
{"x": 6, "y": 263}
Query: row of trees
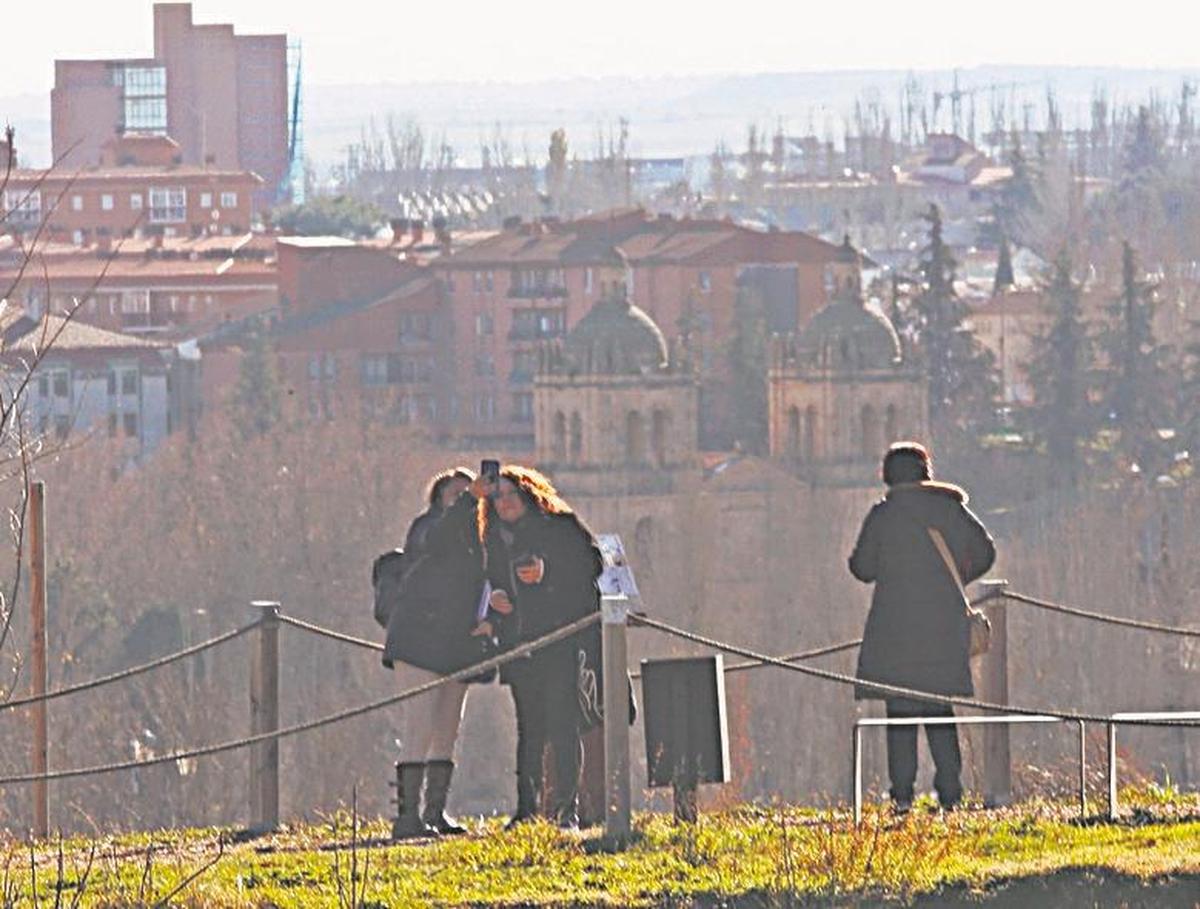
{"x": 1108, "y": 391}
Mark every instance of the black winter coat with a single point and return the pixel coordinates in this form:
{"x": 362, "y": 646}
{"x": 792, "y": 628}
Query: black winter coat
{"x": 917, "y": 634}
{"x": 431, "y": 629}
{"x": 568, "y": 591}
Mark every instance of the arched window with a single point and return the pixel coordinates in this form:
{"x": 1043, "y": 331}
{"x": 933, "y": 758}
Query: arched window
{"x": 643, "y": 547}
{"x": 810, "y": 435}
{"x": 576, "y": 438}
{"x": 891, "y": 424}
{"x": 871, "y": 445}
{"x": 794, "y": 436}
{"x": 635, "y": 438}
{"x": 559, "y": 437}
{"x": 661, "y": 431}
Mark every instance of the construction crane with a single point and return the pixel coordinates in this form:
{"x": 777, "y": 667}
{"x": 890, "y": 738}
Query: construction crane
{"x": 291, "y": 185}
{"x": 957, "y": 94}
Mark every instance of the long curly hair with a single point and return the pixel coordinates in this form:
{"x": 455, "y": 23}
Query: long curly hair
{"x": 533, "y": 486}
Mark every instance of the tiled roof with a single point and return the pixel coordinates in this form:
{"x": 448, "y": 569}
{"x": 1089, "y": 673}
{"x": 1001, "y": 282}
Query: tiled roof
{"x": 203, "y": 260}
{"x": 25, "y": 176}
{"x": 26, "y": 334}
{"x": 88, "y": 267}
{"x": 641, "y": 239}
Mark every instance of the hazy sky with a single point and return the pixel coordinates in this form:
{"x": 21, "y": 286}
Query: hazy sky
{"x": 354, "y": 41}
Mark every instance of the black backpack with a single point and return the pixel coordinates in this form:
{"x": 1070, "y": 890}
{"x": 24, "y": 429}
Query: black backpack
{"x": 387, "y": 579}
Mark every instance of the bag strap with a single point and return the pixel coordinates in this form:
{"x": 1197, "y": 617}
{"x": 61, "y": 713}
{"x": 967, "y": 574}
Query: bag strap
{"x": 939, "y": 543}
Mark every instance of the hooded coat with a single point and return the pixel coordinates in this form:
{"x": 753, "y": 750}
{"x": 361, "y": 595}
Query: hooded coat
{"x": 440, "y": 592}
{"x": 917, "y": 634}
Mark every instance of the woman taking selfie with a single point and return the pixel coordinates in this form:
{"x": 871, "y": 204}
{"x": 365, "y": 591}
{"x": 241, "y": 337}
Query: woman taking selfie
{"x": 542, "y": 563}
{"x": 433, "y": 600}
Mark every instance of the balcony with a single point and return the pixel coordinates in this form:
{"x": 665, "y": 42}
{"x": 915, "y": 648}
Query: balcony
{"x": 522, "y": 333}
{"x": 537, "y": 292}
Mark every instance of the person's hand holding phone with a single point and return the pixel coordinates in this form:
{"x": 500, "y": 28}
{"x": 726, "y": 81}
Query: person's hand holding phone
{"x": 482, "y": 486}
{"x": 487, "y": 480}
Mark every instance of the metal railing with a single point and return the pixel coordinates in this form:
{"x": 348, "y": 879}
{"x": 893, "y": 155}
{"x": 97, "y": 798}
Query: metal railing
{"x": 1141, "y": 718}
{"x": 1004, "y": 719}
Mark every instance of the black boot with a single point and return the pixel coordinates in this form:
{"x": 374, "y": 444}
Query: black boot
{"x": 437, "y": 786}
{"x": 526, "y": 801}
{"x": 408, "y": 824}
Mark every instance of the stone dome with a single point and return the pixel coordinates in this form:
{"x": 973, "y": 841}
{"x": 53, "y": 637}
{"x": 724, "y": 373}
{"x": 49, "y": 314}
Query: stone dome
{"x": 614, "y": 338}
{"x": 848, "y": 336}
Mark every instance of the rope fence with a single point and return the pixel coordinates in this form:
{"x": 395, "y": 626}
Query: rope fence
{"x": 753, "y": 659}
{"x": 104, "y": 680}
{"x": 895, "y": 690}
{"x": 461, "y": 675}
{"x": 329, "y": 633}
{"x": 1139, "y": 624}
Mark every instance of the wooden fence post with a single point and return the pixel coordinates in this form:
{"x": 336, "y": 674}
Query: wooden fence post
{"x": 614, "y": 644}
{"x": 997, "y": 755}
{"x": 264, "y": 717}
{"x": 37, "y": 603}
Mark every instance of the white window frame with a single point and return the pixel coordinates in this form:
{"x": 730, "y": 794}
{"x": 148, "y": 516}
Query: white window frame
{"x": 168, "y": 204}
{"x": 206, "y": 200}
{"x": 229, "y": 199}
{"x": 135, "y": 301}
{"x": 23, "y": 205}
{"x": 135, "y": 201}
{"x": 77, "y": 203}
{"x": 106, "y": 202}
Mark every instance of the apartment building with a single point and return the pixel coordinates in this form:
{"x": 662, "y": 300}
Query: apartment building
{"x": 222, "y": 96}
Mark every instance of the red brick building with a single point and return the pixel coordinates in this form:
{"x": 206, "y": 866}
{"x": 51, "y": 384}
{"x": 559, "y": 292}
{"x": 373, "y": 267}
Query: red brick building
{"x": 223, "y": 97}
{"x": 137, "y": 187}
{"x": 173, "y": 288}
{"x": 359, "y": 333}
{"x": 532, "y": 282}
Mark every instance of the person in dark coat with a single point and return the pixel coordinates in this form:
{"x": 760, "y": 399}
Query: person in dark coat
{"x": 543, "y": 564}
{"x": 917, "y": 633}
{"x": 429, "y": 634}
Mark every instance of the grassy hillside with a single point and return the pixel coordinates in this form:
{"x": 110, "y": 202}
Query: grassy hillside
{"x": 750, "y": 856}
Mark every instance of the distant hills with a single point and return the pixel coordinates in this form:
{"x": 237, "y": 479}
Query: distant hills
{"x": 669, "y": 117}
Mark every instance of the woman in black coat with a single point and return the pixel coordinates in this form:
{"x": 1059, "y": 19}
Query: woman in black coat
{"x": 917, "y": 634}
{"x": 428, "y": 635}
{"x": 543, "y": 563}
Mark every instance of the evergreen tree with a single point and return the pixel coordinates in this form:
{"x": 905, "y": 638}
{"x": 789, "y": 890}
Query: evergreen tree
{"x": 257, "y": 402}
{"x": 1137, "y": 392}
{"x": 718, "y": 176}
{"x": 1018, "y": 203}
{"x": 747, "y": 352}
{"x": 556, "y": 170}
{"x": 963, "y": 383}
{"x": 1004, "y": 268}
{"x": 1189, "y": 394}
{"x": 1060, "y": 372}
